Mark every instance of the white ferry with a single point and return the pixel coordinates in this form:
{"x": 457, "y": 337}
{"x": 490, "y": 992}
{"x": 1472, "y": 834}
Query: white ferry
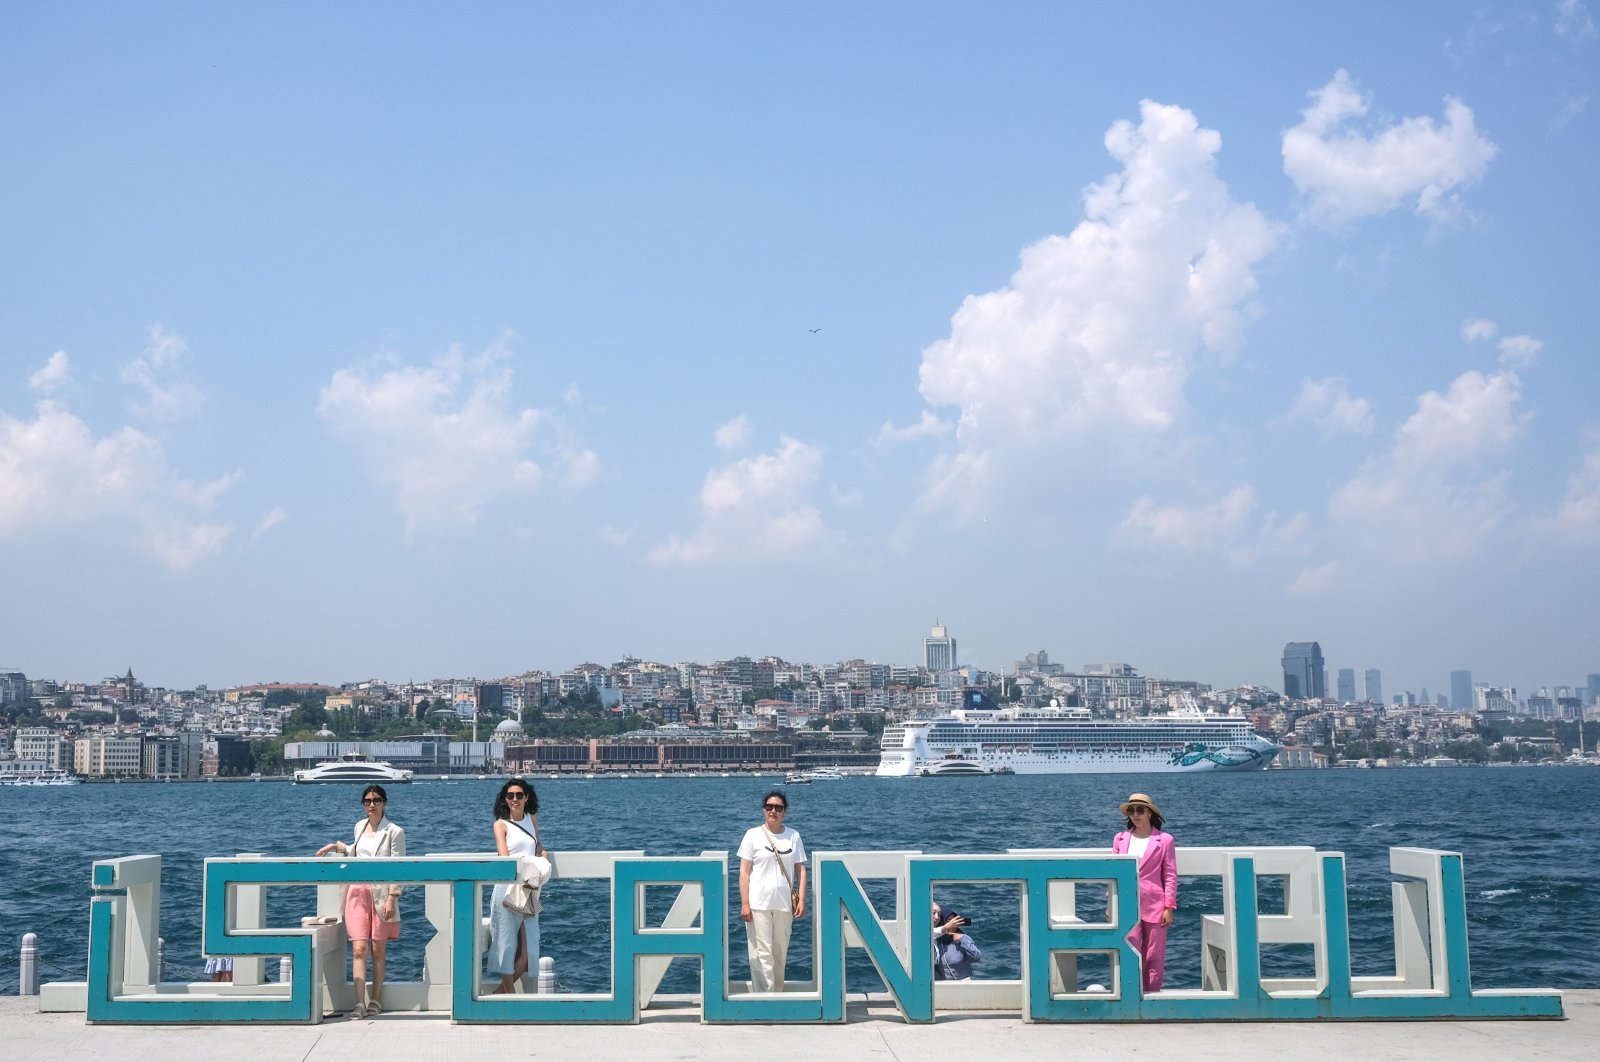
{"x": 48, "y": 776}
{"x": 353, "y": 767}
{"x": 985, "y": 740}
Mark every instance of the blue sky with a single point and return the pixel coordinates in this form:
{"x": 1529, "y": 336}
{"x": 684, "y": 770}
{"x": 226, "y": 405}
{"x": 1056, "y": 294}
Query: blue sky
{"x": 348, "y": 341}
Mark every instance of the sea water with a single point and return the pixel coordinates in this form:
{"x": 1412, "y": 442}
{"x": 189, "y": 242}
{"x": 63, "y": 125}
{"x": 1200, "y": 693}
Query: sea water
{"x": 1533, "y": 883}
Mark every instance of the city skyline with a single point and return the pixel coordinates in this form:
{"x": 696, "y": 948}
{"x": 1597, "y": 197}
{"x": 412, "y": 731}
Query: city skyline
{"x": 473, "y": 341}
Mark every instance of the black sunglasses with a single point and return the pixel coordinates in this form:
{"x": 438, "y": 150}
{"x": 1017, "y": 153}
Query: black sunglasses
{"x": 1138, "y": 809}
{"x": 514, "y": 795}
{"x": 372, "y": 800}
{"x": 775, "y": 807}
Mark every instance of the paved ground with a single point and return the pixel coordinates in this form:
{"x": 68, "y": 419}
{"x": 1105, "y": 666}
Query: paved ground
{"x": 874, "y": 1034}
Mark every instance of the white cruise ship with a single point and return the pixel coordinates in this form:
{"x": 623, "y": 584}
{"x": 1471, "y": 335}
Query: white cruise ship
{"x": 353, "y": 767}
{"x": 1055, "y": 740}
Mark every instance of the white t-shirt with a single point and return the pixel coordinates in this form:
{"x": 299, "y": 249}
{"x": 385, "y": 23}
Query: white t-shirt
{"x": 1137, "y": 846}
{"x": 769, "y": 890}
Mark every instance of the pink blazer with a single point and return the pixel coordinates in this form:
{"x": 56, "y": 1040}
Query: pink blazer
{"x": 1158, "y": 873}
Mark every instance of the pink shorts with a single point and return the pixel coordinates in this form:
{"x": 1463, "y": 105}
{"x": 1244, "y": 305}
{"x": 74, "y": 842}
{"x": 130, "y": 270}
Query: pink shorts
{"x": 361, "y": 920}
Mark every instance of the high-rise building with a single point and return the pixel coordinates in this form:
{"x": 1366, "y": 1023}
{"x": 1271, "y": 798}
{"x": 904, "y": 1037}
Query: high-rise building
{"x": 1303, "y": 671}
{"x": 1347, "y": 684}
{"x": 1461, "y": 690}
{"x": 939, "y": 650}
{"x": 1372, "y": 679}
{"x": 1594, "y": 689}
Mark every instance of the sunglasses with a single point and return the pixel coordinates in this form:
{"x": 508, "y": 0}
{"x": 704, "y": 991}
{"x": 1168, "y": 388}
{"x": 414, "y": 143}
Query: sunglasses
{"x": 775, "y": 807}
{"x": 516, "y": 796}
{"x": 372, "y": 800}
{"x": 1138, "y": 809}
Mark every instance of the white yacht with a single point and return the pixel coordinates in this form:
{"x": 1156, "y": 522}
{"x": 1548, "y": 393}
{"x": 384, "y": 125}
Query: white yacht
{"x": 44, "y": 777}
{"x": 353, "y": 767}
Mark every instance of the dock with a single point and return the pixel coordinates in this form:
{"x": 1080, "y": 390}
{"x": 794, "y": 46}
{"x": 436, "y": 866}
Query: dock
{"x": 874, "y": 1032}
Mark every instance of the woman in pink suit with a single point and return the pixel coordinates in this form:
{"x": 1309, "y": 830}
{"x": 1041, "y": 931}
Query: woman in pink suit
{"x": 1158, "y": 884}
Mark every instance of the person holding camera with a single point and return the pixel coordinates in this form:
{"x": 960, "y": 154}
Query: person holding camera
{"x": 954, "y": 952}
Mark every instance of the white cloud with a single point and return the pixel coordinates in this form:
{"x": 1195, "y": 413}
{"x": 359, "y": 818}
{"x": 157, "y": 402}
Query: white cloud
{"x": 56, "y": 373}
{"x": 168, "y": 394}
{"x": 756, "y": 508}
{"x": 1346, "y": 175}
{"x": 1092, "y": 341}
{"x": 1327, "y": 404}
{"x": 1316, "y": 580}
{"x": 56, "y": 474}
{"x": 1436, "y": 494}
{"x": 1190, "y": 527}
{"x": 273, "y": 518}
{"x": 1518, "y": 352}
{"x": 444, "y": 437}
{"x": 1476, "y": 328}
{"x": 734, "y": 435}
{"x": 616, "y": 536}
{"x": 927, "y": 427}
{"x": 1577, "y": 519}
{"x": 1573, "y": 22}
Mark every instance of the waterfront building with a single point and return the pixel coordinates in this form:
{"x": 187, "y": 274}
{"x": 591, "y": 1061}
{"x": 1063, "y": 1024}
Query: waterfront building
{"x": 1347, "y": 685}
{"x": 1593, "y": 687}
{"x": 1372, "y": 680}
{"x": 108, "y": 755}
{"x": 939, "y": 650}
{"x": 39, "y": 745}
{"x": 1461, "y": 690}
{"x": 1303, "y": 671}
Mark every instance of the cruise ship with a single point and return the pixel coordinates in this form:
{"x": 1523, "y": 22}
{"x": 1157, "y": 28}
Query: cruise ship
{"x": 1015, "y": 740}
{"x": 353, "y": 767}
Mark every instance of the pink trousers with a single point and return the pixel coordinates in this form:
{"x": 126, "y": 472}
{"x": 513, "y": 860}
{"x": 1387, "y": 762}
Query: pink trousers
{"x": 1149, "y": 939}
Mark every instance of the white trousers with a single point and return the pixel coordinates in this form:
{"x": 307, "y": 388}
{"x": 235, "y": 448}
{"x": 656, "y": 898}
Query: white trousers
{"x": 768, "y": 933}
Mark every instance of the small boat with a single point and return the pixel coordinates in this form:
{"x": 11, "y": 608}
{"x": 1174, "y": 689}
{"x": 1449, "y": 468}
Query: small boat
{"x": 825, "y": 774}
{"x": 796, "y": 778}
{"x": 352, "y": 767}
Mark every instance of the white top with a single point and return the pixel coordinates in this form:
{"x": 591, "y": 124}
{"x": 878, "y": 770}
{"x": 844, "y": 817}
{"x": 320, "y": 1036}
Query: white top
{"x": 1137, "y": 846}
{"x": 387, "y": 839}
{"x": 518, "y": 841}
{"x": 769, "y": 889}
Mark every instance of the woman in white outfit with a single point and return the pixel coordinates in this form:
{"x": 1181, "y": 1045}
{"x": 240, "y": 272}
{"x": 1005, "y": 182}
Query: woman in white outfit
{"x": 514, "y": 938}
{"x": 371, "y": 912}
{"x": 772, "y": 891}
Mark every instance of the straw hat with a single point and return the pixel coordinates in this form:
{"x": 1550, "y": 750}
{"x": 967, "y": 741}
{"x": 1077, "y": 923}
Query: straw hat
{"x": 1139, "y": 798}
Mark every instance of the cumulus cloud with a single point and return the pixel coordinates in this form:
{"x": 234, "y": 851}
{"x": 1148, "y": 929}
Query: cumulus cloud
{"x": 1476, "y": 328}
{"x": 56, "y": 374}
{"x": 1327, "y": 404}
{"x": 1190, "y": 527}
{"x": 1094, "y": 338}
{"x": 1573, "y": 22}
{"x": 1436, "y": 494}
{"x": 159, "y": 373}
{"x": 756, "y": 508}
{"x": 56, "y": 473}
{"x": 1346, "y": 173}
{"x": 445, "y": 437}
{"x": 1316, "y": 580}
{"x": 927, "y": 427}
{"x": 735, "y": 434}
{"x": 1577, "y": 519}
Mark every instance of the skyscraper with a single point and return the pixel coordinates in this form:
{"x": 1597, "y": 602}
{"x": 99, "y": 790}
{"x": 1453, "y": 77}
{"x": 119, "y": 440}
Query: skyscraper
{"x": 1461, "y": 690}
{"x": 1303, "y": 671}
{"x": 1347, "y": 684}
{"x": 1373, "y": 680}
{"x": 939, "y": 650}
{"x": 1594, "y": 689}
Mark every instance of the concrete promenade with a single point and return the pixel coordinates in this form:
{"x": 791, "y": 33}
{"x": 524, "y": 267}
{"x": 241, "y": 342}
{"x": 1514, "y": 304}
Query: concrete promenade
{"x": 873, "y": 1032}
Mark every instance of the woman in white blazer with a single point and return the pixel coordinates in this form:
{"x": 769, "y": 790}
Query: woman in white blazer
{"x": 371, "y": 912}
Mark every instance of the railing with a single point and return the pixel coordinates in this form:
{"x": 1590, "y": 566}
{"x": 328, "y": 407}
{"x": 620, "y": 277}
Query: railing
{"x": 1056, "y": 932}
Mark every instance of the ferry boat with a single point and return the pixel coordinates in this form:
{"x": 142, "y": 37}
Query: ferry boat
{"x": 976, "y": 740}
{"x": 353, "y": 767}
{"x": 49, "y": 776}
